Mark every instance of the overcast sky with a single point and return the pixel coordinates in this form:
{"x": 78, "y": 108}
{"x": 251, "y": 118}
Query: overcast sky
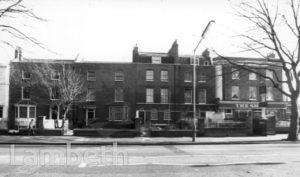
{"x": 107, "y": 30}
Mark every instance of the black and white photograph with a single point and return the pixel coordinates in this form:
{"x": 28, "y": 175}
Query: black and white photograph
{"x": 147, "y": 88}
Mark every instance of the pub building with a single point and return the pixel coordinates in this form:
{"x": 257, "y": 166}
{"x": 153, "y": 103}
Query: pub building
{"x": 238, "y": 91}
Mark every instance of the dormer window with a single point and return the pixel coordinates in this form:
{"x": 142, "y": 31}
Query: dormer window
{"x": 156, "y": 60}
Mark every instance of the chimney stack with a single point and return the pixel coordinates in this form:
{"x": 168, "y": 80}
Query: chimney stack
{"x": 18, "y": 53}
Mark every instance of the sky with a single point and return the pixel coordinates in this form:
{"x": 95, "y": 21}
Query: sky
{"x": 107, "y": 30}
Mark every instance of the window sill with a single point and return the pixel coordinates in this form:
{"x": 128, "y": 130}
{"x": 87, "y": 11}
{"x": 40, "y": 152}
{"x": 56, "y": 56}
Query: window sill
{"x": 252, "y": 99}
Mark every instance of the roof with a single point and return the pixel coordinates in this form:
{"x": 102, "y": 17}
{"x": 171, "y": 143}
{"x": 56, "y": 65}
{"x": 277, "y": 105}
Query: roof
{"x": 39, "y": 60}
{"x": 154, "y": 54}
{"x": 244, "y": 60}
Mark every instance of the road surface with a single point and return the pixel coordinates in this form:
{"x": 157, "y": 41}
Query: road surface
{"x": 169, "y": 160}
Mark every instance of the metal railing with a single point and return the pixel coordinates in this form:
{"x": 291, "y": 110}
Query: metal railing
{"x": 225, "y": 124}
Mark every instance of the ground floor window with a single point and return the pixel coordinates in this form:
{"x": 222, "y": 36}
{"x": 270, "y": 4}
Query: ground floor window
{"x": 241, "y": 115}
{"x": 280, "y": 114}
{"x": 118, "y": 113}
{"x": 167, "y": 115}
{"x": 154, "y": 114}
{"x": 25, "y": 111}
{"x": 24, "y": 114}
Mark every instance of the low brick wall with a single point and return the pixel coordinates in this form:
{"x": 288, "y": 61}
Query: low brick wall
{"x": 282, "y": 129}
{"x": 106, "y": 132}
{"x": 172, "y": 133}
{"x": 47, "y": 132}
{"x": 222, "y": 132}
{"x": 3, "y": 132}
{"x": 50, "y": 132}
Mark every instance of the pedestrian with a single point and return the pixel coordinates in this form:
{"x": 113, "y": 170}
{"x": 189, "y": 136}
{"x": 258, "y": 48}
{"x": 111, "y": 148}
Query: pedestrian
{"x": 30, "y": 128}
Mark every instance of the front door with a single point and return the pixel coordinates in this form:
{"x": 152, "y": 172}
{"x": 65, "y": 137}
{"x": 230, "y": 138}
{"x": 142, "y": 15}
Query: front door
{"x": 142, "y": 117}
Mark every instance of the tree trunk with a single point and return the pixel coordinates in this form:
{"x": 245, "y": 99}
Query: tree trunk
{"x": 294, "y": 122}
{"x": 64, "y": 117}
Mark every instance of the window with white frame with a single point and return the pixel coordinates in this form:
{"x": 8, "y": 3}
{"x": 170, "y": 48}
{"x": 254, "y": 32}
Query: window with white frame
{"x": 164, "y": 95}
{"x": 149, "y": 75}
{"x": 90, "y": 113}
{"x": 25, "y": 93}
{"x": 91, "y": 94}
{"x": 164, "y": 76}
{"x": 1, "y": 112}
{"x": 55, "y": 75}
{"x": 167, "y": 115}
{"x": 149, "y": 95}
{"x": 188, "y": 76}
{"x": 202, "y": 96}
{"x": 228, "y": 113}
{"x": 25, "y": 111}
{"x": 252, "y": 76}
{"x": 235, "y": 73}
{"x": 188, "y": 96}
{"x": 269, "y": 95}
{"x": 91, "y": 75}
{"x": 235, "y": 93}
{"x": 119, "y": 96}
{"x": 119, "y": 76}
{"x": 154, "y": 114}
{"x": 252, "y": 93}
{"x": 202, "y": 76}
{"x": 269, "y": 74}
{"x": 26, "y": 75}
{"x": 54, "y": 95}
{"x": 156, "y": 60}
{"x": 118, "y": 113}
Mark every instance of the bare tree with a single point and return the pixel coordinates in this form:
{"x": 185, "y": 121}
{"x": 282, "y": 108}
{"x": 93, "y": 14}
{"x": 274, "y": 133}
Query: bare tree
{"x": 271, "y": 24}
{"x": 12, "y": 12}
{"x": 64, "y": 85}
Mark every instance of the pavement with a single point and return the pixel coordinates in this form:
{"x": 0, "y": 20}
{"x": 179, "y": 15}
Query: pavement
{"x": 76, "y": 140}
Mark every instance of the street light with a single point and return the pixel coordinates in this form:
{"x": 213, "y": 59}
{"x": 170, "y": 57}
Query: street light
{"x": 194, "y": 77}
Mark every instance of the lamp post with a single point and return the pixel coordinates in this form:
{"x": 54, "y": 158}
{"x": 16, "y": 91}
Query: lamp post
{"x": 194, "y": 78}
